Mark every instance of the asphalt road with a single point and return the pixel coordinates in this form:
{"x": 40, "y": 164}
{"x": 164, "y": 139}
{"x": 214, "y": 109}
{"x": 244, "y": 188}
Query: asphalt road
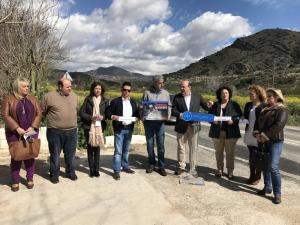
{"x": 290, "y": 158}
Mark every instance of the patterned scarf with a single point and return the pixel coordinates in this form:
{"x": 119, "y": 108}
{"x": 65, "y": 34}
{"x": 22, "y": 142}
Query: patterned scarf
{"x": 96, "y": 135}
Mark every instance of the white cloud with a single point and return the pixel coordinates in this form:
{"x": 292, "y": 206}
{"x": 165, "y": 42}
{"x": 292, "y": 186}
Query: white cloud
{"x": 275, "y": 4}
{"x": 133, "y": 34}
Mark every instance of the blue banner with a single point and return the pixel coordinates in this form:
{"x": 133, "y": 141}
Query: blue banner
{"x": 154, "y": 102}
{"x": 192, "y": 116}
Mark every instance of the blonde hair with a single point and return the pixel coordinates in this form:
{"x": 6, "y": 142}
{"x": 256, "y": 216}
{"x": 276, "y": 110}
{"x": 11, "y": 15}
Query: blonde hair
{"x": 17, "y": 84}
{"x": 260, "y": 92}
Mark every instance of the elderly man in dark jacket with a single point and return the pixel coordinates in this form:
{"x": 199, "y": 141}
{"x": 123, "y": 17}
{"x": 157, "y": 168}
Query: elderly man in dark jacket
{"x": 186, "y": 131}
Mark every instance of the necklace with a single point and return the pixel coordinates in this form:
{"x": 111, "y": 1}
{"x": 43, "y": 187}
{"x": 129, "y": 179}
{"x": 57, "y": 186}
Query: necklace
{"x": 23, "y": 107}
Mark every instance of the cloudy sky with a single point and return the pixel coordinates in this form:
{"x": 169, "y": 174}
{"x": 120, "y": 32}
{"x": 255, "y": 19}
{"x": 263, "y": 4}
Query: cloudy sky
{"x": 162, "y": 36}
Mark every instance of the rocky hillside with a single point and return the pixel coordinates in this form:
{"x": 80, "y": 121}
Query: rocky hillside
{"x": 270, "y": 57}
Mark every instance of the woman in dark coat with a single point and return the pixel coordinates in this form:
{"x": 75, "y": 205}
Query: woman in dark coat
{"x": 270, "y": 125}
{"x": 252, "y": 109}
{"x": 225, "y": 133}
{"x": 22, "y": 115}
{"x": 92, "y": 114}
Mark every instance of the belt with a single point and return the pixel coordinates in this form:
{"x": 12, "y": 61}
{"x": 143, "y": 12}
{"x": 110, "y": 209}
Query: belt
{"x": 126, "y": 126}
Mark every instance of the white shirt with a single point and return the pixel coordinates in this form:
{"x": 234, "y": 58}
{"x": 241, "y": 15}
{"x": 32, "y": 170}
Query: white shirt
{"x": 249, "y": 139}
{"x": 187, "y": 99}
{"x": 127, "y": 110}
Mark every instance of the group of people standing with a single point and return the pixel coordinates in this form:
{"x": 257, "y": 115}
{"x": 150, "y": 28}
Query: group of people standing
{"x": 266, "y": 117}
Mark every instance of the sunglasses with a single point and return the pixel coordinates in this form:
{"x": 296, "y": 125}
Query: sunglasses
{"x": 124, "y": 89}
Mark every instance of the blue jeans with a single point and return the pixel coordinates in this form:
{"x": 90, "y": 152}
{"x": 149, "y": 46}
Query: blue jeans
{"x": 272, "y": 177}
{"x": 58, "y": 140}
{"x": 155, "y": 128}
{"x": 122, "y": 140}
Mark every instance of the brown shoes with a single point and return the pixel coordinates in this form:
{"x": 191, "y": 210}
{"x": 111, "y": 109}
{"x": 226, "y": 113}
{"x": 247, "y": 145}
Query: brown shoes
{"x": 219, "y": 173}
{"x": 179, "y": 171}
{"x": 29, "y": 184}
{"x": 15, "y": 187}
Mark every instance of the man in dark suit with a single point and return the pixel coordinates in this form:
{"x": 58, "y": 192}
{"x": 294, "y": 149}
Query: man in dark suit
{"x": 187, "y": 131}
{"x": 122, "y": 108}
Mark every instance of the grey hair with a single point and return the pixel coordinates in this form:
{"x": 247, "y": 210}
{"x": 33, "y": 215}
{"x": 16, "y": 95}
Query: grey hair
{"x": 158, "y": 77}
{"x": 66, "y": 76}
{"x": 17, "y": 84}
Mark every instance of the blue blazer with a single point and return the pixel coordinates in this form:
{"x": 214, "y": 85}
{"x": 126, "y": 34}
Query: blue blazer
{"x": 116, "y": 108}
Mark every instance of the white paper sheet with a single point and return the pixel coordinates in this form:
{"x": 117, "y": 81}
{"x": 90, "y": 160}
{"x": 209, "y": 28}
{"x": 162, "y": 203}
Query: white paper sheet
{"x": 26, "y": 135}
{"x": 127, "y": 119}
{"x": 222, "y": 118}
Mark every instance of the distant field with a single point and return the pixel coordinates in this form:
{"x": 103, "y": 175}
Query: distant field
{"x": 292, "y": 102}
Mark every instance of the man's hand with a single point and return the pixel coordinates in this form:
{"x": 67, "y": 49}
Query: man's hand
{"x": 230, "y": 122}
{"x": 114, "y": 117}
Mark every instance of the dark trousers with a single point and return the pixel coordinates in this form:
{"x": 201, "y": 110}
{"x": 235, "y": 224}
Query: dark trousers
{"x": 255, "y": 173}
{"x": 93, "y": 154}
{"x": 65, "y": 140}
{"x": 155, "y": 130}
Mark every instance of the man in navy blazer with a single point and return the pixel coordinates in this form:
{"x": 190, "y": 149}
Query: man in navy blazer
{"x": 125, "y": 107}
{"x": 190, "y": 101}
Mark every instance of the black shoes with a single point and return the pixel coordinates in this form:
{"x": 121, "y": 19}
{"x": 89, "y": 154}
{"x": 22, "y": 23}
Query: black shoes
{"x": 150, "y": 169}
{"x": 116, "y": 176}
{"x": 54, "y": 180}
{"x": 277, "y": 199}
{"x": 162, "y": 172}
{"x": 96, "y": 173}
{"x": 179, "y": 171}
{"x": 72, "y": 177}
{"x": 264, "y": 192}
{"x": 91, "y": 173}
{"x": 128, "y": 170}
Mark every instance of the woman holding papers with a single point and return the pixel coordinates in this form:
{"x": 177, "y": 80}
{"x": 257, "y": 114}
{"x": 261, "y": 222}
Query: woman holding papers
{"x": 225, "y": 133}
{"x": 270, "y": 125}
{"x": 22, "y": 115}
{"x": 92, "y": 114}
{"x": 252, "y": 109}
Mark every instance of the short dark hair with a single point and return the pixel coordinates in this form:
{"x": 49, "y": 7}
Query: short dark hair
{"x": 219, "y": 92}
{"x": 126, "y": 83}
{"x": 95, "y": 84}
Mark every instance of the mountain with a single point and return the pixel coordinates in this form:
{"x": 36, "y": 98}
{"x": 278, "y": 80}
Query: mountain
{"x": 111, "y": 77}
{"x": 81, "y": 80}
{"x": 117, "y": 73}
{"x": 270, "y": 57}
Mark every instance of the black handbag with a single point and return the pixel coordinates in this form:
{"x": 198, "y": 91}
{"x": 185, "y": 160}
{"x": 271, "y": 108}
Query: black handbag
{"x": 261, "y": 157}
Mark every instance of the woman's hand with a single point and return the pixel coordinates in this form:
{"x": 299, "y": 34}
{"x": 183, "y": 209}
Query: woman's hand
{"x": 259, "y": 138}
{"x": 20, "y": 131}
{"x": 30, "y": 129}
{"x": 97, "y": 117}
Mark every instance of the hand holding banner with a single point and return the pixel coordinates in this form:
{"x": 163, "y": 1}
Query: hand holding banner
{"x": 192, "y": 116}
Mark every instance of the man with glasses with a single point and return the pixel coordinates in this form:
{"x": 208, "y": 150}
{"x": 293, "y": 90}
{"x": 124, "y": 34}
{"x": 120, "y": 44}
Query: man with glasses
{"x": 154, "y": 117}
{"x": 121, "y": 111}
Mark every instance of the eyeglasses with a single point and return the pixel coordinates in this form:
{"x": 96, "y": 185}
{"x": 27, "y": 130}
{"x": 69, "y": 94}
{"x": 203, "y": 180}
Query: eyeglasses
{"x": 124, "y": 89}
